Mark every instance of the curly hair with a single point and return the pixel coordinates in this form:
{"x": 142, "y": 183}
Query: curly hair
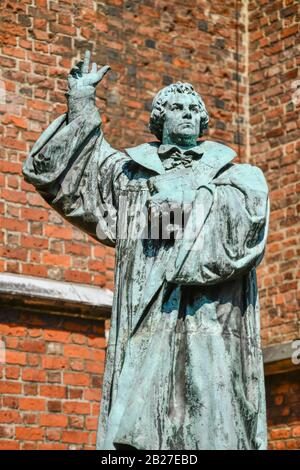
{"x": 159, "y": 108}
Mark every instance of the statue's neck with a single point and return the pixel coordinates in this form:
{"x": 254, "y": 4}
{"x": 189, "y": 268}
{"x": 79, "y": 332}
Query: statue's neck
{"x": 182, "y": 144}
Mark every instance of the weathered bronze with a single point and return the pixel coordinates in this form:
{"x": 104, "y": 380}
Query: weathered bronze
{"x": 184, "y": 365}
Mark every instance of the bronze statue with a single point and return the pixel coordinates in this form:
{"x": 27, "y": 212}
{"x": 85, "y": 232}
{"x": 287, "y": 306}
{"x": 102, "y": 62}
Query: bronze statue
{"x": 184, "y": 366}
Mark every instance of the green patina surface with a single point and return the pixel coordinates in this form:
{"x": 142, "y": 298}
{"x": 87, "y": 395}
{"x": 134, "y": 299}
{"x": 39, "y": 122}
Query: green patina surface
{"x": 184, "y": 365}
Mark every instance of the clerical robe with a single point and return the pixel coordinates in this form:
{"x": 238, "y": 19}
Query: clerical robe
{"x": 184, "y": 367}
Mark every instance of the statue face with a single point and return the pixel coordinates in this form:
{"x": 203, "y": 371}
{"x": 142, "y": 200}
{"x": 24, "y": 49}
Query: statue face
{"x": 182, "y": 120}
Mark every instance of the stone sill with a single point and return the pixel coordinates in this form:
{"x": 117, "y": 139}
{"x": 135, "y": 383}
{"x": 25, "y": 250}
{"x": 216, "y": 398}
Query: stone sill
{"x": 278, "y": 358}
{"x": 55, "y": 297}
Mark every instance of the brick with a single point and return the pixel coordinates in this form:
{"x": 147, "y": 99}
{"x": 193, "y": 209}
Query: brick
{"x": 29, "y": 446}
{"x": 75, "y": 393}
{"x": 56, "y": 260}
{"x": 13, "y": 143}
{"x": 11, "y": 402}
{"x": 9, "y": 445}
{"x": 6, "y": 431}
{"x": 33, "y": 375}
{"x": 29, "y": 433}
{"x": 76, "y": 422}
{"x": 91, "y": 423}
{"x": 96, "y": 342}
{"x": 97, "y": 355}
{"x": 9, "y": 416}
{"x": 33, "y": 242}
{"x": 12, "y": 372}
{"x": 77, "y": 364}
{"x": 34, "y": 214}
{"x": 280, "y": 433}
{"x": 76, "y": 379}
{"x": 53, "y": 391}
{"x": 93, "y": 394}
{"x": 13, "y": 225}
{"x": 76, "y": 407}
{"x": 16, "y": 120}
{"x": 296, "y": 431}
{"x": 15, "y": 357}
{"x": 75, "y": 437}
{"x": 13, "y": 196}
{"x": 71, "y": 350}
{"x": 31, "y": 270}
{"x": 54, "y": 406}
{"x": 77, "y": 249}
{"x": 33, "y": 346}
{"x": 78, "y": 338}
{"x": 10, "y": 167}
{"x": 52, "y": 420}
{"x": 56, "y": 446}
{"x": 65, "y": 233}
{"x": 81, "y": 277}
{"x": 57, "y": 335}
{"x": 36, "y": 404}
{"x": 52, "y": 362}
{"x": 30, "y": 389}
{"x": 94, "y": 367}
{"x": 54, "y": 377}
{"x": 33, "y": 359}
{"x": 30, "y": 418}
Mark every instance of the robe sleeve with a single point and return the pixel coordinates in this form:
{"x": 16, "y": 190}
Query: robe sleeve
{"x": 232, "y": 214}
{"x": 76, "y": 170}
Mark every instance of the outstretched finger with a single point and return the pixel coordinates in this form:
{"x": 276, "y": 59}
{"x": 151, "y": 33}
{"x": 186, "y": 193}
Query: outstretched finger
{"x": 86, "y": 62}
{"x": 94, "y": 67}
{"x": 103, "y": 71}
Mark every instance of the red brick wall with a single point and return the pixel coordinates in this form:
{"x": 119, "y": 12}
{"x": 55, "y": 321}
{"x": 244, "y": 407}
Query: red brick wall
{"x": 148, "y": 45}
{"x": 50, "y": 381}
{"x": 283, "y": 400}
{"x": 275, "y": 144}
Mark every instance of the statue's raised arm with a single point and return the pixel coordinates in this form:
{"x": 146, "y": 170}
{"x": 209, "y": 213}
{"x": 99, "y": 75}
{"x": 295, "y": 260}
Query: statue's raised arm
{"x": 72, "y": 165}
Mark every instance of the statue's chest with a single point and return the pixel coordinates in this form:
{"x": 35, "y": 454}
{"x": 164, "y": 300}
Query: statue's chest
{"x": 170, "y": 182}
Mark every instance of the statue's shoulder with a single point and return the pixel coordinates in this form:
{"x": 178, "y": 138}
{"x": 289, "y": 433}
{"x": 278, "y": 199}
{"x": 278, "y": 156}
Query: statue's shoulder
{"x": 216, "y": 148}
{"x": 215, "y": 154}
{"x": 248, "y": 175}
{"x": 143, "y": 149}
{"x": 237, "y": 173}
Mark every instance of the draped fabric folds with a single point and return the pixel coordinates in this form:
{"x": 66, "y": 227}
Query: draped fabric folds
{"x": 184, "y": 366}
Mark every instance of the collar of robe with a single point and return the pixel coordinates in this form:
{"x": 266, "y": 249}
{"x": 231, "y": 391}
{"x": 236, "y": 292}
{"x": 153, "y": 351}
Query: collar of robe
{"x": 213, "y": 153}
{"x": 172, "y": 156}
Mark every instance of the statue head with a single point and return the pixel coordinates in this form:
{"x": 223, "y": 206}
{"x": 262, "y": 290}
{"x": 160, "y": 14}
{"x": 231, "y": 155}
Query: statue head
{"x": 178, "y": 115}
